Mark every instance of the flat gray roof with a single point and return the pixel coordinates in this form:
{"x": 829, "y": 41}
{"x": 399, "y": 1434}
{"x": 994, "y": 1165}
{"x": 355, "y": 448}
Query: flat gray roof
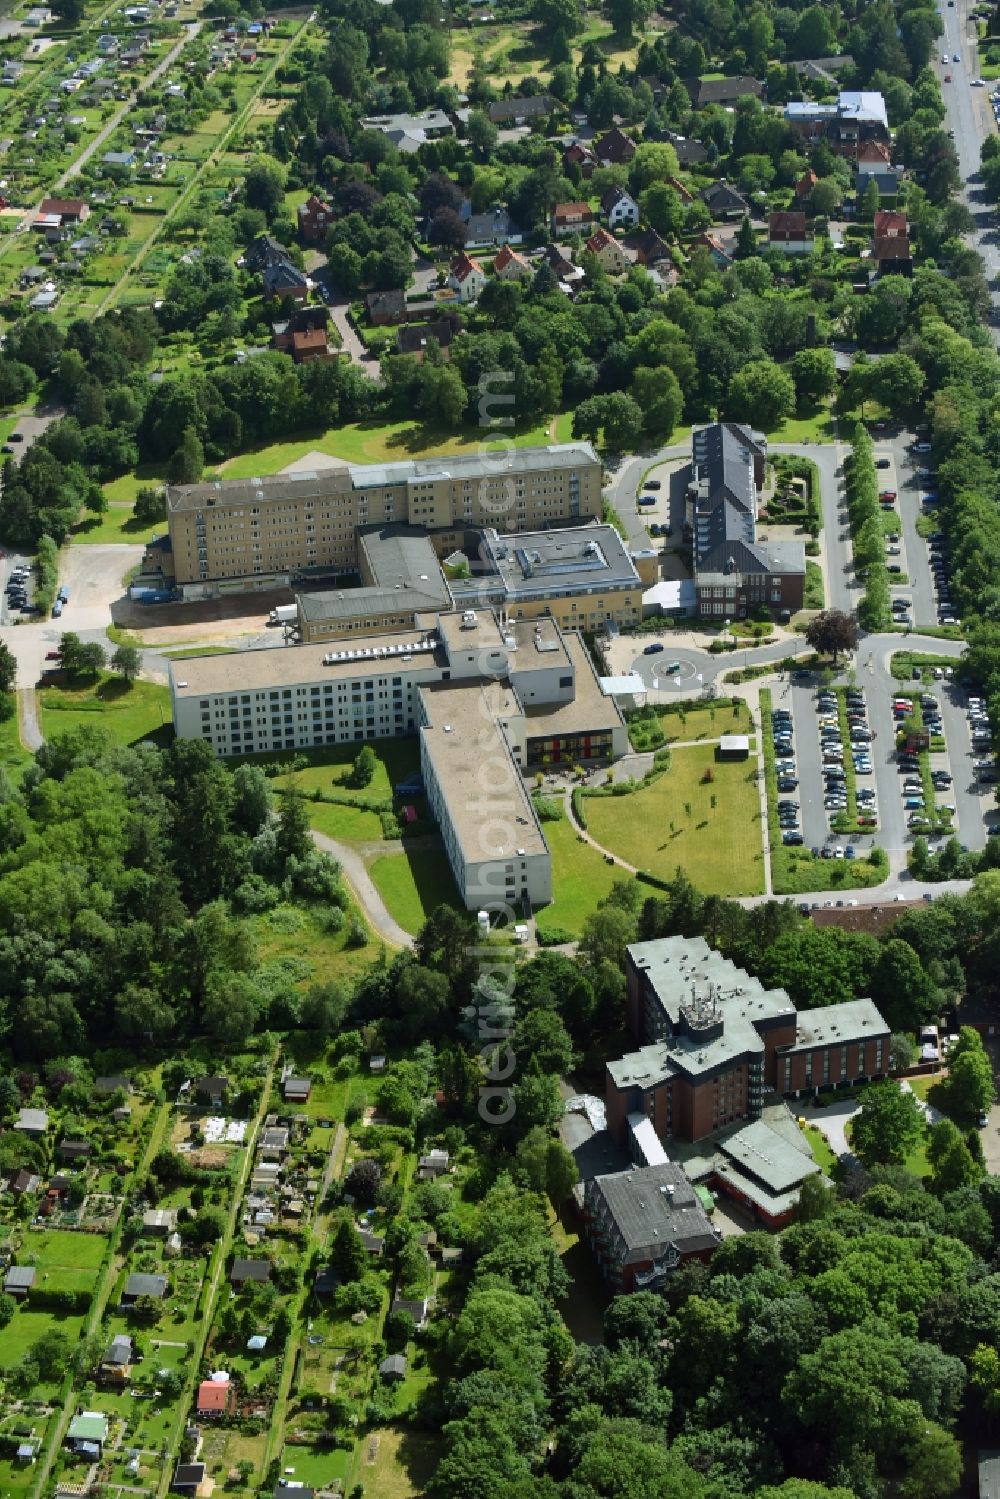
{"x": 300, "y": 485}
{"x": 710, "y": 1010}
{"x": 340, "y": 478}
{"x": 649, "y": 1217}
{"x": 774, "y": 1160}
{"x": 300, "y": 665}
{"x": 589, "y": 709}
{"x": 989, "y": 1473}
{"x": 355, "y": 603}
{"x": 462, "y": 737}
{"x": 854, "y": 1020}
{"x": 403, "y": 555}
{"x": 576, "y": 558}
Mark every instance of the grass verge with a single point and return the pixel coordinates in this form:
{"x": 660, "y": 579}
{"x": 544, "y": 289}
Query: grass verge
{"x": 581, "y": 878}
{"x": 814, "y": 596}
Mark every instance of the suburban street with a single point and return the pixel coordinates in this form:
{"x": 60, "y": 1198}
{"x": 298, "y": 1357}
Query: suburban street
{"x": 970, "y": 117}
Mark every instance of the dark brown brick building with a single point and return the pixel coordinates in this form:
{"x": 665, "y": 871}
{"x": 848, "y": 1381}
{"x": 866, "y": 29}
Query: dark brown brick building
{"x": 714, "y": 1041}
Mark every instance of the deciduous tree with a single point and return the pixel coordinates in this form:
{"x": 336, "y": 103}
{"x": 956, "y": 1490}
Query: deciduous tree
{"x": 832, "y": 632}
{"x": 888, "y": 1125}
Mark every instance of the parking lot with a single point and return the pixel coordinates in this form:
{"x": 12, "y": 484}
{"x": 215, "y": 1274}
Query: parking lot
{"x": 843, "y": 782}
{"x": 920, "y": 588}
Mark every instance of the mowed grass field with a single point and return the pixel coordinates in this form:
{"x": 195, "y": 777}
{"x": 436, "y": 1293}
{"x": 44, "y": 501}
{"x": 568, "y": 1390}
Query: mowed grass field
{"x": 413, "y": 884}
{"x": 371, "y": 442}
{"x": 673, "y": 822}
{"x": 581, "y": 878}
{"x": 346, "y": 824}
{"x": 706, "y": 723}
{"x": 117, "y": 525}
{"x": 395, "y": 760}
{"x": 128, "y": 713}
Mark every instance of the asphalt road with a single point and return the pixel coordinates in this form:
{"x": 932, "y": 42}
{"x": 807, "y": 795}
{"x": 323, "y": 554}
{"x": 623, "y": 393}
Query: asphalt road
{"x": 970, "y": 116}
{"x": 915, "y": 558}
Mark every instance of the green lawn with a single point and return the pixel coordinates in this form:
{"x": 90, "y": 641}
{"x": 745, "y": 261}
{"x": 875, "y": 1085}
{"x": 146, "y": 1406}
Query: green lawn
{"x": 672, "y": 822}
{"x": 123, "y": 491}
{"x": 14, "y": 758}
{"x": 368, "y": 442}
{"x": 395, "y": 760}
{"x": 128, "y": 713}
{"x": 821, "y": 1151}
{"x": 116, "y": 525}
{"x": 580, "y": 878}
{"x": 817, "y": 426}
{"x": 348, "y": 824}
{"x": 413, "y": 883}
{"x": 54, "y": 1249}
{"x": 28, "y": 1325}
{"x": 709, "y": 722}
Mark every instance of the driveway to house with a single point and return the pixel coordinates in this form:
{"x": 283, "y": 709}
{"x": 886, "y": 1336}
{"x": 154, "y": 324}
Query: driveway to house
{"x": 349, "y": 340}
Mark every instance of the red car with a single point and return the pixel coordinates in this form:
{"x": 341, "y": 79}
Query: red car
{"x": 887, "y": 494}
{"x": 52, "y": 655}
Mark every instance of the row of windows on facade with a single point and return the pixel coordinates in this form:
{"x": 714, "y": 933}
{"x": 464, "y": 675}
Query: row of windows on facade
{"x": 289, "y": 741}
{"x": 369, "y": 716}
{"x": 275, "y": 694}
{"x": 422, "y": 494}
{"x": 725, "y": 608}
{"x": 809, "y": 1079}
{"x": 285, "y": 723}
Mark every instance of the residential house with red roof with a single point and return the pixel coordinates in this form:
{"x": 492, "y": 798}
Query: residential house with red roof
{"x": 510, "y": 266}
{"x": 466, "y": 277}
{"x": 609, "y": 252}
{"x": 572, "y": 218}
{"x": 786, "y": 231}
{"x": 214, "y": 1396}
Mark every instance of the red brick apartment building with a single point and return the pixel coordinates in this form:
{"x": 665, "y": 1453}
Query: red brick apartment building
{"x": 714, "y": 1041}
